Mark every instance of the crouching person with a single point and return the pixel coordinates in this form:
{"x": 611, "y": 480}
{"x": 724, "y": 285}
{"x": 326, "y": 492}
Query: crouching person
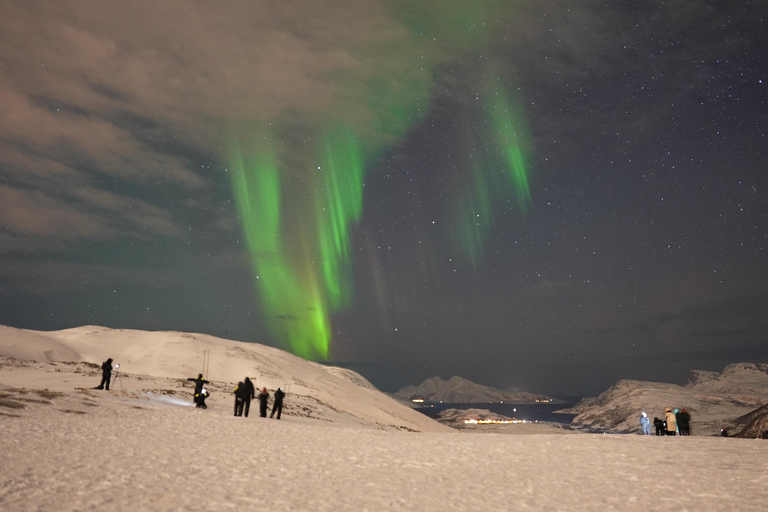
{"x": 200, "y": 398}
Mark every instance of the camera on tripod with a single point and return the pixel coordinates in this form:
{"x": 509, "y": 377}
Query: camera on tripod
{"x": 117, "y": 377}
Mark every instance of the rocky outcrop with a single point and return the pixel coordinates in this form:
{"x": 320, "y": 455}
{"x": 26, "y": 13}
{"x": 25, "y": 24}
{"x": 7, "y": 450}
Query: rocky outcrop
{"x": 714, "y": 400}
{"x": 699, "y": 376}
{"x": 756, "y": 424}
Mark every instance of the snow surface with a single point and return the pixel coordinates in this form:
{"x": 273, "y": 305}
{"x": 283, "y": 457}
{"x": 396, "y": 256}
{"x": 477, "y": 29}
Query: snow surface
{"x": 141, "y": 446}
{"x": 164, "y": 360}
{"x": 140, "y": 454}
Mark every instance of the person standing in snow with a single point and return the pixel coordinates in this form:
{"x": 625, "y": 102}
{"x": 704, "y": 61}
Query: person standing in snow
{"x": 199, "y": 381}
{"x": 684, "y": 422}
{"x": 645, "y": 423}
{"x": 659, "y": 426}
{"x": 239, "y": 391}
{"x": 671, "y": 421}
{"x": 263, "y": 398}
{"x": 278, "y": 403}
{"x": 106, "y": 374}
{"x": 249, "y": 393}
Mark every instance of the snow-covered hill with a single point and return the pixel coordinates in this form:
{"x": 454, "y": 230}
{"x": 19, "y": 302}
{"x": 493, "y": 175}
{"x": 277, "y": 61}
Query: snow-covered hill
{"x": 714, "y": 400}
{"x": 161, "y": 362}
{"x": 457, "y": 390}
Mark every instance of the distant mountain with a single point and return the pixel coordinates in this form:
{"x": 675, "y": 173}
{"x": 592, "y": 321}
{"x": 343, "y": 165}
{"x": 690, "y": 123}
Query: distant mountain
{"x": 457, "y": 390}
{"x": 714, "y": 400}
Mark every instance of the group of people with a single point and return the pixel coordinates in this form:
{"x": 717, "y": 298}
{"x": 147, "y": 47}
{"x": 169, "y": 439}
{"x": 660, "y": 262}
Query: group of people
{"x": 675, "y": 422}
{"x": 245, "y": 392}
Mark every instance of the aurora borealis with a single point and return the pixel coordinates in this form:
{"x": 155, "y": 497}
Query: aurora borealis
{"x": 301, "y": 284}
{"x": 550, "y": 196}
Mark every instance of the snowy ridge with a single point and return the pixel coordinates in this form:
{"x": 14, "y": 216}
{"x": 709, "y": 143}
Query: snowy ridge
{"x": 714, "y": 400}
{"x": 164, "y": 360}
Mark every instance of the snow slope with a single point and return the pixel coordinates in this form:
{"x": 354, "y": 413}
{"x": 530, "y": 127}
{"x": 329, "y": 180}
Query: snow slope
{"x": 92, "y": 450}
{"x": 164, "y": 360}
{"x": 142, "y": 446}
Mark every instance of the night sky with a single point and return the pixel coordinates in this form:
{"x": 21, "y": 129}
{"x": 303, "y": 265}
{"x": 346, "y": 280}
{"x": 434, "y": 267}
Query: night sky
{"x": 550, "y": 196}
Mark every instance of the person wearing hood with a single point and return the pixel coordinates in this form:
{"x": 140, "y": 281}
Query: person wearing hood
{"x": 106, "y": 374}
{"x": 669, "y": 416}
{"x": 199, "y": 382}
{"x": 278, "y": 403}
{"x": 645, "y": 423}
{"x": 239, "y": 392}
{"x": 684, "y": 422}
{"x": 249, "y": 393}
{"x": 263, "y": 398}
{"x": 200, "y": 398}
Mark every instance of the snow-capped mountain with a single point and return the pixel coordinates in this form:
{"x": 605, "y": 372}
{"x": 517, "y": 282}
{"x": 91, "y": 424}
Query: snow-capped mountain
{"x": 457, "y": 390}
{"x": 714, "y": 400}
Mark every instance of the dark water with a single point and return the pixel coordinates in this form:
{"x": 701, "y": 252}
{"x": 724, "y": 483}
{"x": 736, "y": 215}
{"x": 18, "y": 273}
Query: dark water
{"x": 528, "y": 412}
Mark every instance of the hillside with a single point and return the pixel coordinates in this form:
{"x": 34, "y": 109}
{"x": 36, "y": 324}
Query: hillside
{"x": 160, "y": 362}
{"x": 714, "y": 400}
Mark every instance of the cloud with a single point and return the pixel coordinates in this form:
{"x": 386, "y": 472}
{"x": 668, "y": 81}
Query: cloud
{"x": 58, "y": 278}
{"x": 107, "y": 95}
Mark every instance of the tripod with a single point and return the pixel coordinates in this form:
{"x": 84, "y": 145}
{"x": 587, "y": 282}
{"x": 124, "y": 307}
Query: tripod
{"x": 117, "y": 377}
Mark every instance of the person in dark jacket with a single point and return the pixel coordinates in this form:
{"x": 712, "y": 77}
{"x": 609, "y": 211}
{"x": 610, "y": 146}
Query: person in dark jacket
{"x": 249, "y": 393}
{"x": 200, "y": 398}
{"x": 263, "y": 398}
{"x": 239, "y": 391}
{"x": 684, "y": 422}
{"x": 660, "y": 428}
{"x": 106, "y": 374}
{"x": 277, "y": 405}
{"x": 199, "y": 381}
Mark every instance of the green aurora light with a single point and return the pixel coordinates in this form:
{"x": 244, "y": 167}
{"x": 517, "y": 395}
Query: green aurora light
{"x": 298, "y": 231}
{"x": 290, "y": 294}
{"x": 499, "y": 172}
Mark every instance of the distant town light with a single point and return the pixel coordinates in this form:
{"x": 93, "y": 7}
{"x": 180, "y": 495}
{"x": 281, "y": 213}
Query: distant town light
{"x": 494, "y": 422}
{"x": 417, "y": 400}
